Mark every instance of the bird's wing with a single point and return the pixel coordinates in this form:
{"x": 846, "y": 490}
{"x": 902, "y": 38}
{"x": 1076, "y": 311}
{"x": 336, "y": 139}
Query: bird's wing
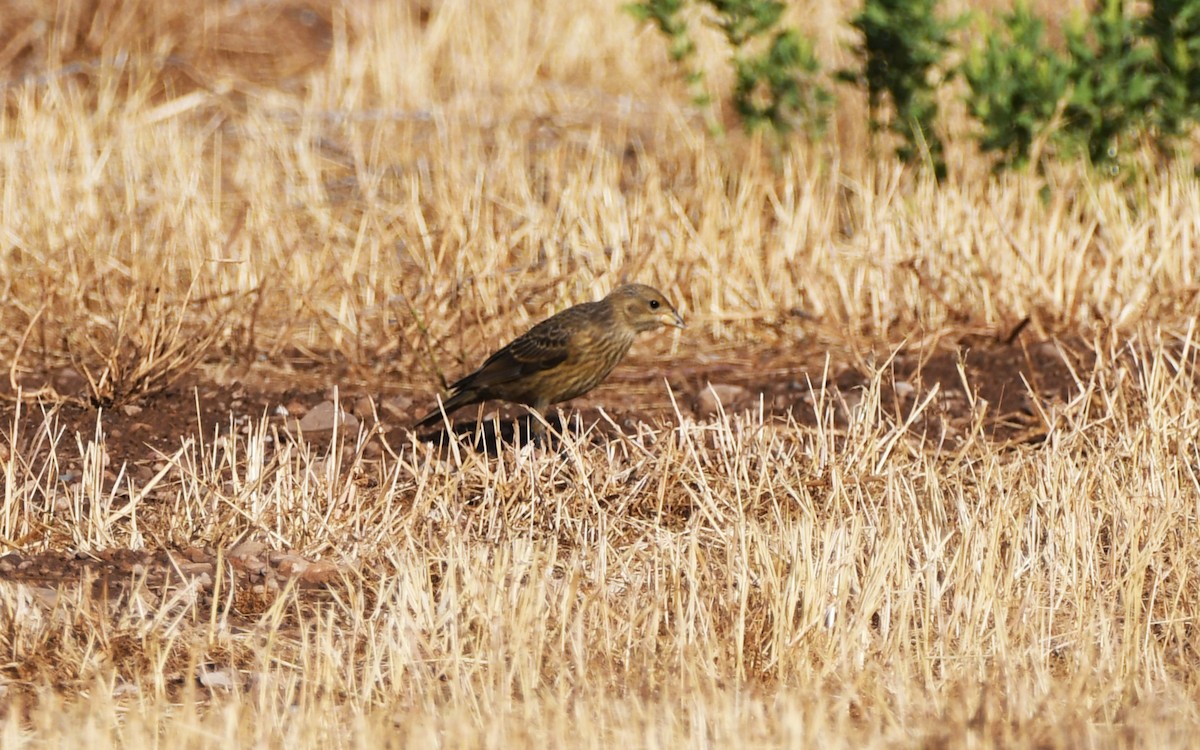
{"x": 542, "y": 347}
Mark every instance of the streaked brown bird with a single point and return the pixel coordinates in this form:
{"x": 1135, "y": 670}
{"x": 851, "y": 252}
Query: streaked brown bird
{"x": 565, "y": 355}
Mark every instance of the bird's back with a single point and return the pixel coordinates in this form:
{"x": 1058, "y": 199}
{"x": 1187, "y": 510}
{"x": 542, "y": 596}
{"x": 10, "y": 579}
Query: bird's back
{"x": 558, "y": 359}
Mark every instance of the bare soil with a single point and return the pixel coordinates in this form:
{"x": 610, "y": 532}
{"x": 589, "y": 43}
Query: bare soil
{"x": 1011, "y": 384}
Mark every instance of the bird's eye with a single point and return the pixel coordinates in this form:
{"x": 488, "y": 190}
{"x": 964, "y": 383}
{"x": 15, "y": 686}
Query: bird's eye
{"x": 653, "y": 304}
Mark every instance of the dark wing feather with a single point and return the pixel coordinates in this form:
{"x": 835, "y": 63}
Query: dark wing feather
{"x": 542, "y": 347}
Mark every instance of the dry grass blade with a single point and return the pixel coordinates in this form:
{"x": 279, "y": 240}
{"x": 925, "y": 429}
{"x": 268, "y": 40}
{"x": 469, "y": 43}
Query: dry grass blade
{"x": 922, "y": 471}
{"x": 145, "y": 350}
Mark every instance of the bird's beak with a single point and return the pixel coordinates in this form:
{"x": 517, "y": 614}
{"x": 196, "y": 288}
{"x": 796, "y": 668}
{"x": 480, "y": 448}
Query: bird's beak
{"x": 673, "y": 318}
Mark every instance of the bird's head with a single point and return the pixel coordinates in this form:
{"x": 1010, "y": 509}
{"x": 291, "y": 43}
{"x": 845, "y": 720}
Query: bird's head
{"x": 643, "y": 308}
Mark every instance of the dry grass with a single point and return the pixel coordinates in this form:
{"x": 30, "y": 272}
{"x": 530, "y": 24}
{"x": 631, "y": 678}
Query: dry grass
{"x": 399, "y": 187}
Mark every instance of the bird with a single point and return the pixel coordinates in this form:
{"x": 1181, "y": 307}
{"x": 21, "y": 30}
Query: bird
{"x": 564, "y": 356}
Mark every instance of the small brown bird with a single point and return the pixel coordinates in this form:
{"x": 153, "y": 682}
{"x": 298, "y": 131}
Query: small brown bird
{"x": 565, "y": 355}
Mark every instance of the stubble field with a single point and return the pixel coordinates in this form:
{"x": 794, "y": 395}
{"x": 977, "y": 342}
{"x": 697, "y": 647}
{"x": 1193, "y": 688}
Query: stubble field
{"x": 921, "y": 471}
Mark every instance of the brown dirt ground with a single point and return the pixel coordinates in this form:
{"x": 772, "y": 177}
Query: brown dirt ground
{"x": 775, "y": 383}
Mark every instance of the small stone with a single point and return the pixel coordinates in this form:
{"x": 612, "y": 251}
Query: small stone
{"x": 217, "y": 678}
{"x": 123, "y": 688}
{"x": 1046, "y": 350}
{"x": 47, "y": 597}
{"x": 249, "y": 564}
{"x": 718, "y": 395}
{"x": 292, "y": 565}
{"x": 68, "y": 378}
{"x": 851, "y": 399}
{"x": 397, "y": 407}
{"x": 247, "y": 548}
{"x": 196, "y": 554}
{"x": 321, "y": 571}
{"x": 325, "y": 416}
{"x": 364, "y": 408}
{"x": 131, "y": 410}
{"x": 196, "y": 568}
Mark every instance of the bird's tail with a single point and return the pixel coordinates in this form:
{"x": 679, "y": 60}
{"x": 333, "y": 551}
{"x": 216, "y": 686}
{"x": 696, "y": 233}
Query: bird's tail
{"x": 461, "y": 398}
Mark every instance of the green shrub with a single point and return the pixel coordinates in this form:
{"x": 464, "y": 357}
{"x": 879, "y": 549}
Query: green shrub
{"x": 903, "y": 44}
{"x": 775, "y": 89}
{"x": 1102, "y": 89}
{"x": 667, "y": 16}
{"x": 1113, "y": 82}
{"x": 1120, "y": 76}
{"x": 776, "y": 72}
{"x": 1173, "y": 28}
{"x": 1017, "y": 85}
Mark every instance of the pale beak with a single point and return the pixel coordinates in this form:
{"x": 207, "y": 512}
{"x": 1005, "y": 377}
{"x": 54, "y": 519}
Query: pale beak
{"x": 674, "y": 319}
